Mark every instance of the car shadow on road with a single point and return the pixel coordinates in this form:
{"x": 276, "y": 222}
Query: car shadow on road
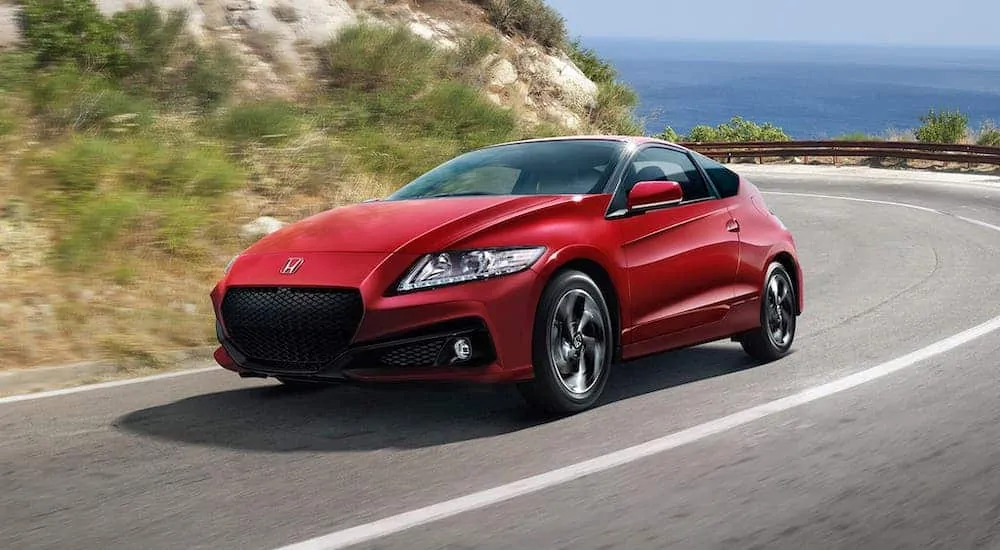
{"x": 361, "y": 418}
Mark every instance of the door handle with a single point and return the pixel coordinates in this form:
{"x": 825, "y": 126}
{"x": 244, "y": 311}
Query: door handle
{"x": 732, "y": 226}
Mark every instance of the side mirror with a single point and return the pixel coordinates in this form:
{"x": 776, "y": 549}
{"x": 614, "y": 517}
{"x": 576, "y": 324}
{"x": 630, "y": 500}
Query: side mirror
{"x": 650, "y": 195}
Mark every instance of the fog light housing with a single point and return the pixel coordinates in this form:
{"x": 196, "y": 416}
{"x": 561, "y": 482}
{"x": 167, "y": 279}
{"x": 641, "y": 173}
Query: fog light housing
{"x": 462, "y": 348}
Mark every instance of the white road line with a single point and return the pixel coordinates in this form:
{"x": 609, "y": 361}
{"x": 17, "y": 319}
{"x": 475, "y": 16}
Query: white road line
{"x": 442, "y": 510}
{"x": 474, "y": 501}
{"x": 103, "y": 385}
{"x": 870, "y": 201}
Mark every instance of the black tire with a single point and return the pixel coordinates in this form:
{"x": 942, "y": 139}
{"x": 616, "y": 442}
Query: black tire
{"x": 549, "y": 391}
{"x": 765, "y": 344}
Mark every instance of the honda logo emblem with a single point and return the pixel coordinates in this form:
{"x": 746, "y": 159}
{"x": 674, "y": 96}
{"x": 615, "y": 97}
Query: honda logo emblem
{"x": 291, "y": 266}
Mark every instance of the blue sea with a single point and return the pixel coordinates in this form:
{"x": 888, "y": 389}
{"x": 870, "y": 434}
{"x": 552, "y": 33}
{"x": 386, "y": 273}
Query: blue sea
{"x": 812, "y": 91}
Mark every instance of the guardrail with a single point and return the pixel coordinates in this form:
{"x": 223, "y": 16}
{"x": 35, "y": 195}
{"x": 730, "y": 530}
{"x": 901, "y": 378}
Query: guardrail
{"x": 966, "y": 154}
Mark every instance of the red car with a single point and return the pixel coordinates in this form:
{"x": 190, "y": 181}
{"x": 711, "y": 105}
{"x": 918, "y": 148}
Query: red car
{"x": 540, "y": 262}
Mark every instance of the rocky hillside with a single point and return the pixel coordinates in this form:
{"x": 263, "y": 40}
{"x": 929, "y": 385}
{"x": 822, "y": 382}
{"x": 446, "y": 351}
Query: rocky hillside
{"x": 275, "y": 39}
{"x": 145, "y": 144}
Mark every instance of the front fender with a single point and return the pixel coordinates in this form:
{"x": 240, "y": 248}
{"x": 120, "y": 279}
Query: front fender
{"x": 612, "y": 265}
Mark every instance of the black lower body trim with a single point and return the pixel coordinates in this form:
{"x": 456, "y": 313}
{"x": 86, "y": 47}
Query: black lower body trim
{"x": 459, "y": 343}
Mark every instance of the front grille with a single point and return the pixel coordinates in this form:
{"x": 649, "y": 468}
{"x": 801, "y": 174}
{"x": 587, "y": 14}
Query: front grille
{"x": 300, "y": 329}
{"x": 417, "y": 354}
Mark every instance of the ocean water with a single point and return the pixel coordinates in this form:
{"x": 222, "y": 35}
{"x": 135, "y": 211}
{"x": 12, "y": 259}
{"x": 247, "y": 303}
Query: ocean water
{"x": 812, "y": 91}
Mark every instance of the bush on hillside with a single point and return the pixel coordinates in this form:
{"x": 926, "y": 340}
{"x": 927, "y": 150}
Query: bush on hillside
{"x": 943, "y": 127}
{"x": 66, "y": 98}
{"x": 148, "y": 41}
{"x": 616, "y": 101}
{"x": 471, "y": 51}
{"x": 615, "y": 113}
{"x": 368, "y": 58}
{"x": 989, "y": 135}
{"x": 532, "y": 18}
{"x": 208, "y": 77}
{"x": 68, "y": 30}
{"x": 135, "y": 49}
{"x": 596, "y": 68}
{"x": 390, "y": 85}
{"x": 271, "y": 120}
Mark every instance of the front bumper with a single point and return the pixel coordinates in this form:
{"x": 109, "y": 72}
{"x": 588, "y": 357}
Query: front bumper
{"x": 412, "y": 337}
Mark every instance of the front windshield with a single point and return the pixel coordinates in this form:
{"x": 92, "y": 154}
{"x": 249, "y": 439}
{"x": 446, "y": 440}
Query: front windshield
{"x": 557, "y": 167}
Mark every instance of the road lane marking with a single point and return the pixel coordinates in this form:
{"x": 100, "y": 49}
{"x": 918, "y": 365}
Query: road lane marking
{"x": 395, "y": 524}
{"x": 103, "y": 385}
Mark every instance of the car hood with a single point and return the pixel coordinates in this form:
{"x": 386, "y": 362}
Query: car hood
{"x": 415, "y": 226}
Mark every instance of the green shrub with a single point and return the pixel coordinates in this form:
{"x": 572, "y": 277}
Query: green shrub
{"x": 276, "y": 120}
{"x": 199, "y": 172}
{"x": 181, "y": 170}
{"x": 210, "y": 76}
{"x": 371, "y": 59}
{"x": 148, "y": 42}
{"x": 473, "y": 49}
{"x": 91, "y": 225}
{"x": 68, "y": 30}
{"x": 616, "y": 101}
{"x": 597, "y": 69}
{"x": 64, "y": 97}
{"x": 78, "y": 165}
{"x": 989, "y": 135}
{"x": 16, "y": 70}
{"x": 398, "y": 156}
{"x": 857, "y": 136}
{"x": 8, "y": 120}
{"x": 532, "y": 18}
{"x": 737, "y": 129}
{"x": 614, "y": 113}
{"x": 669, "y": 134}
{"x": 178, "y": 222}
{"x": 943, "y": 127}
{"x": 456, "y": 111}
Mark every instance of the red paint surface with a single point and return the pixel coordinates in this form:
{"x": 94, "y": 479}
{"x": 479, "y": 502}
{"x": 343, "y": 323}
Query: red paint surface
{"x": 679, "y": 275}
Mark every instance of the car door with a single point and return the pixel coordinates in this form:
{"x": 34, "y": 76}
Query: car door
{"x": 681, "y": 260}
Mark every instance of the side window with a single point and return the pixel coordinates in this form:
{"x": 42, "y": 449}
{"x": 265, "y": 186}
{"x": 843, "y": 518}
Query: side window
{"x": 725, "y": 180}
{"x": 657, "y": 164}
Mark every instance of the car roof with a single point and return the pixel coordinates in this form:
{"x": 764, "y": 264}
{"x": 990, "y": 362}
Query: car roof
{"x": 636, "y": 140}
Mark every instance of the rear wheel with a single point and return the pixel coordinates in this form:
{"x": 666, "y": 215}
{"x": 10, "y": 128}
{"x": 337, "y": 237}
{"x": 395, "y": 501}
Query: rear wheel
{"x": 572, "y": 346}
{"x": 773, "y": 339}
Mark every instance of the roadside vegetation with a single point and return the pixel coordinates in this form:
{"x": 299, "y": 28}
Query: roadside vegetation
{"x": 944, "y": 127}
{"x": 133, "y": 157}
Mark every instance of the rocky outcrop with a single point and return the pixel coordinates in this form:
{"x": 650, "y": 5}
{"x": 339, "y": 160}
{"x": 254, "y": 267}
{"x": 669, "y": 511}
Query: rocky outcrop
{"x": 270, "y": 33}
{"x": 261, "y": 227}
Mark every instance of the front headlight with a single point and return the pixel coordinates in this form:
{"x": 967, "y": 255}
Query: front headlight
{"x": 446, "y": 268}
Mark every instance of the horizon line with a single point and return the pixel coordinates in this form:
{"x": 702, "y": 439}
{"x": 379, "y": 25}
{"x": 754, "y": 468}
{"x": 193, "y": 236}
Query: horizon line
{"x": 977, "y": 46}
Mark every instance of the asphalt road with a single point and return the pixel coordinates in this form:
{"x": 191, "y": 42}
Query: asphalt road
{"x": 907, "y": 460}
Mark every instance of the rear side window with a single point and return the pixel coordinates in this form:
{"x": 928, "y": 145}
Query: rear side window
{"x": 725, "y": 180}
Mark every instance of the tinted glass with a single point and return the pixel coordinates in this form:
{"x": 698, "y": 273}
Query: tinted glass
{"x": 536, "y": 168}
{"x": 724, "y": 179}
{"x": 657, "y": 164}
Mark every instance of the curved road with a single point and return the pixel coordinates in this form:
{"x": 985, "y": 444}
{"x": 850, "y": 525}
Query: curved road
{"x": 903, "y": 458}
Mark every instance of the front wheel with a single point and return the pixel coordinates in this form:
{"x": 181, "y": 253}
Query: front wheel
{"x": 774, "y": 337}
{"x": 572, "y": 346}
